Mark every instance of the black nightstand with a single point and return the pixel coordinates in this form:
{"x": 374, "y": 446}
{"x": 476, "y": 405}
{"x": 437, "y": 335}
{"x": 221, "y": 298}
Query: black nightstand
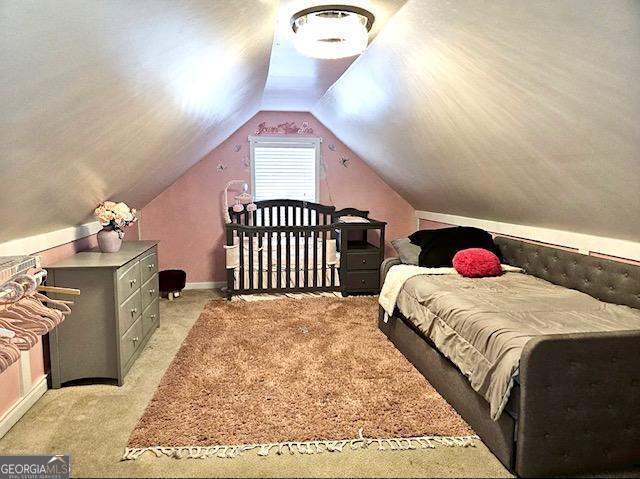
{"x": 361, "y": 247}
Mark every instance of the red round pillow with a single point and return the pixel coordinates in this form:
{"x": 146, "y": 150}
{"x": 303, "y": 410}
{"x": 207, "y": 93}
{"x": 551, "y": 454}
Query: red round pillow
{"x": 477, "y": 263}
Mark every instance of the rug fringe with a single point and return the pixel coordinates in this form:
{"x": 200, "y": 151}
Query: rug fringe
{"x": 302, "y": 447}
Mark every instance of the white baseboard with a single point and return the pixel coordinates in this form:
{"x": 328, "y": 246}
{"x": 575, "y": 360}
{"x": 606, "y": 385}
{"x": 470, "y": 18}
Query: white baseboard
{"x": 19, "y": 409}
{"x": 206, "y": 285}
{"x": 582, "y": 242}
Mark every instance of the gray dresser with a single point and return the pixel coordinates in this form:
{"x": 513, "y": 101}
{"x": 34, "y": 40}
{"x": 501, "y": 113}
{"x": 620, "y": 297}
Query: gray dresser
{"x": 112, "y": 319}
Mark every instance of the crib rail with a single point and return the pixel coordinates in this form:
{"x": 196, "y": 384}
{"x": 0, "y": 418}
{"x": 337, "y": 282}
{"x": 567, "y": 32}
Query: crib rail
{"x": 283, "y": 259}
{"x": 284, "y": 213}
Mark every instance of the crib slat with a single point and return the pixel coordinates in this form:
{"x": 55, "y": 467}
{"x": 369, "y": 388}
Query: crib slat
{"x": 288, "y": 259}
{"x": 286, "y": 216}
{"x": 241, "y": 248}
{"x": 260, "y": 281}
{"x": 333, "y": 274}
{"x": 315, "y": 258}
{"x": 297, "y": 254}
{"x": 269, "y": 261}
{"x": 231, "y": 285}
{"x": 324, "y": 258}
{"x": 251, "y": 265}
{"x": 279, "y": 259}
{"x": 306, "y": 259}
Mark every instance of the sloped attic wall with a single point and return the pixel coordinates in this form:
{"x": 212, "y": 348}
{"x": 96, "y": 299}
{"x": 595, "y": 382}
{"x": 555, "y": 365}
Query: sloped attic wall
{"x": 515, "y": 111}
{"x": 116, "y": 99}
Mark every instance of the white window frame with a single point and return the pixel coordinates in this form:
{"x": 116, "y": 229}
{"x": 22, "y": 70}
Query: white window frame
{"x": 286, "y": 142}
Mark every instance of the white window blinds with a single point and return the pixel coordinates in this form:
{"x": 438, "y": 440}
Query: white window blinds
{"x": 285, "y": 168}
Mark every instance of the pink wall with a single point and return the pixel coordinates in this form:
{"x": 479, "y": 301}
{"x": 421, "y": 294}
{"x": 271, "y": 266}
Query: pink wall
{"x": 187, "y": 216}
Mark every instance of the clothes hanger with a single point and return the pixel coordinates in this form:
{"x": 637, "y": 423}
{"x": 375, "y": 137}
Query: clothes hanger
{"x": 62, "y": 306}
{"x": 9, "y": 354}
{"x": 33, "y": 317}
{"x": 29, "y": 310}
{"x": 10, "y": 292}
{"x": 23, "y": 339}
{"x": 19, "y": 319}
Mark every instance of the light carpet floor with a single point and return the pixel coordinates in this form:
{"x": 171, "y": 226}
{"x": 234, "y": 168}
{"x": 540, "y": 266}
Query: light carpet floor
{"x": 312, "y": 373}
{"x": 93, "y": 424}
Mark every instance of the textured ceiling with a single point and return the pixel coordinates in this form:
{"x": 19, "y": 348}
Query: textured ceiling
{"x": 116, "y": 99}
{"x": 517, "y": 111}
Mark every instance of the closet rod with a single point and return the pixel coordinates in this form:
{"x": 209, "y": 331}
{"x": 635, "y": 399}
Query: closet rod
{"x": 56, "y": 289}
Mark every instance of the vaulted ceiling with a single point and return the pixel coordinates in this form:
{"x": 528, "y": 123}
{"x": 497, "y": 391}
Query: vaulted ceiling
{"x": 526, "y": 112}
{"x": 519, "y": 111}
{"x": 117, "y": 98}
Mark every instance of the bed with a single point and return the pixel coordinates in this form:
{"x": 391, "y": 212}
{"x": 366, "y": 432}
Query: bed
{"x": 546, "y": 375}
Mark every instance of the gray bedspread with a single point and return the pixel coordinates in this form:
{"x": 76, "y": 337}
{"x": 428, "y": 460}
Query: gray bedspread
{"x": 482, "y": 325}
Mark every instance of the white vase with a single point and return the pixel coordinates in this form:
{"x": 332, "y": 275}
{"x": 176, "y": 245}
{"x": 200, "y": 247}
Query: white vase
{"x": 109, "y": 240}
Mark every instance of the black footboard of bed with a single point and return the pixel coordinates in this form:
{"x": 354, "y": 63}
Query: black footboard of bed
{"x": 579, "y": 403}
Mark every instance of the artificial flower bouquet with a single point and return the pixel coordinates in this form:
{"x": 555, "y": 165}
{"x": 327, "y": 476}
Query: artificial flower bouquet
{"x": 115, "y": 216}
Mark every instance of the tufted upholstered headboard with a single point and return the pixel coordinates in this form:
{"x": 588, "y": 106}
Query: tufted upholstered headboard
{"x": 604, "y": 279}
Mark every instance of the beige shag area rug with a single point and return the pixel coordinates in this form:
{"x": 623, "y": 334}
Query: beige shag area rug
{"x": 308, "y": 376}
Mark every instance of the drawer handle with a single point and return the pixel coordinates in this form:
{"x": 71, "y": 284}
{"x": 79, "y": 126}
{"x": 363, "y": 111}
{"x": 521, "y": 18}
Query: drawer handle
{"x": 153, "y": 316}
{"x": 151, "y": 266}
{"x": 151, "y": 291}
{"x": 132, "y": 282}
{"x": 362, "y": 281}
{"x": 364, "y": 261}
{"x": 135, "y": 340}
{"x": 134, "y": 311}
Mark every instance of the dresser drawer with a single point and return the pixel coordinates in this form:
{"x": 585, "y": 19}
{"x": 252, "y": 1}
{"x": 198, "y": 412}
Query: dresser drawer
{"x": 130, "y": 342}
{"x": 129, "y": 311}
{"x": 148, "y": 266}
{"x": 151, "y": 317}
{"x": 128, "y": 280}
{"x": 363, "y": 260}
{"x": 363, "y": 280}
{"x": 149, "y": 291}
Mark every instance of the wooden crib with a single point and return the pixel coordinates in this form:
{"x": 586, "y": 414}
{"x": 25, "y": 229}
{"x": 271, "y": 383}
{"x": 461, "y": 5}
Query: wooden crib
{"x": 284, "y": 246}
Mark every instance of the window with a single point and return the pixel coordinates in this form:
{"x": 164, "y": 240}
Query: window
{"x": 285, "y": 168}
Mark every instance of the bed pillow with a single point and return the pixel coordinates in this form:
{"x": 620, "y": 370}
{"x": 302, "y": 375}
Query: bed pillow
{"x": 407, "y": 251}
{"x": 477, "y": 263}
{"x": 438, "y": 247}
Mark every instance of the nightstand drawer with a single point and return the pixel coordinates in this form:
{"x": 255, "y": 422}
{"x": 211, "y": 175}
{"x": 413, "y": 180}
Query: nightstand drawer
{"x": 363, "y": 280}
{"x": 363, "y": 260}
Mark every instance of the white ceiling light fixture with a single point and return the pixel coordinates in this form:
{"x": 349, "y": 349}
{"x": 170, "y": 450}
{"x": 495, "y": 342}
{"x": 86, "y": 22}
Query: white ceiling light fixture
{"x": 331, "y": 31}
